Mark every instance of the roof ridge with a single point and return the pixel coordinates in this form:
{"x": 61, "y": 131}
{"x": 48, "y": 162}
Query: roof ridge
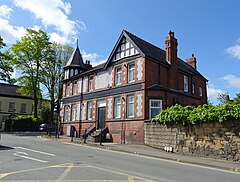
{"x": 100, "y": 64}
{"x": 145, "y": 41}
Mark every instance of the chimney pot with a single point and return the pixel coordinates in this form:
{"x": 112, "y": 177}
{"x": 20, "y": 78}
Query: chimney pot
{"x": 171, "y": 48}
{"x": 192, "y": 61}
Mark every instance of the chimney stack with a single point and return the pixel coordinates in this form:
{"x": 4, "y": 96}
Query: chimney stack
{"x": 192, "y": 61}
{"x": 88, "y": 65}
{"x": 171, "y": 48}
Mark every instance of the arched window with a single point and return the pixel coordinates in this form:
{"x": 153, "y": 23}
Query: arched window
{"x": 71, "y": 72}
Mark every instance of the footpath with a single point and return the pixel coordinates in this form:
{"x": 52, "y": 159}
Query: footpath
{"x": 143, "y": 150}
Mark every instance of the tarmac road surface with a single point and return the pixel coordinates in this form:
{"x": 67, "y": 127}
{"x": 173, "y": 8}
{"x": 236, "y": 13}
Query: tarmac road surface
{"x": 29, "y": 158}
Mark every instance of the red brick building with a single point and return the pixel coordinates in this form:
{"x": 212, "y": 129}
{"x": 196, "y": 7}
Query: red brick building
{"x": 137, "y": 81}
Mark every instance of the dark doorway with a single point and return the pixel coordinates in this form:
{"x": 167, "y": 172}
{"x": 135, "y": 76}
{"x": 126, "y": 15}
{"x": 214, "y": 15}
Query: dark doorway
{"x": 101, "y": 123}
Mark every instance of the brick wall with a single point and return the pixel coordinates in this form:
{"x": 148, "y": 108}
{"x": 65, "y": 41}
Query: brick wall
{"x": 215, "y": 140}
{"x": 127, "y": 131}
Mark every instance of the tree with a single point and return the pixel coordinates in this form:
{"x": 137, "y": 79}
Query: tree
{"x": 29, "y": 54}
{"x": 52, "y": 72}
{"x": 237, "y": 99}
{"x": 223, "y": 98}
{"x": 5, "y": 66}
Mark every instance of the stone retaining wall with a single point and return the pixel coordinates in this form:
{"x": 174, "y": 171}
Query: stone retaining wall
{"x": 216, "y": 140}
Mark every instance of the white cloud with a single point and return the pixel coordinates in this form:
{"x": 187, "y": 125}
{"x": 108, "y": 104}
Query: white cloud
{"x": 53, "y": 13}
{"x": 10, "y": 33}
{"x": 93, "y": 57}
{"x": 213, "y": 92}
{"x": 89, "y": 56}
{"x": 55, "y": 37}
{"x": 234, "y": 51}
{"x": 232, "y": 80}
{"x": 5, "y": 11}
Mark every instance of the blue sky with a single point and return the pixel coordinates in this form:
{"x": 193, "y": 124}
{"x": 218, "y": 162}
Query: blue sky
{"x": 208, "y": 28}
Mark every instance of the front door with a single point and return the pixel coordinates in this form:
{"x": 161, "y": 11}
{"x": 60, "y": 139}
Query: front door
{"x": 101, "y": 118}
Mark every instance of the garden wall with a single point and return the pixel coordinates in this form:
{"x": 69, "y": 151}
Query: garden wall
{"x": 216, "y": 140}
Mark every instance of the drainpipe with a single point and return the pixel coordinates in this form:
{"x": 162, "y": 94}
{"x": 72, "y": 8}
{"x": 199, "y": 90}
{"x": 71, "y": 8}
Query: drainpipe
{"x": 80, "y": 109}
{"x": 123, "y": 122}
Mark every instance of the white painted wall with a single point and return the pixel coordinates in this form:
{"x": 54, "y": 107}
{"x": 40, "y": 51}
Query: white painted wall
{"x": 103, "y": 79}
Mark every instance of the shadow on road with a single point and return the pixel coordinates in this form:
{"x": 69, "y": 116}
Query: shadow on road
{"x": 27, "y": 133}
{"x": 5, "y": 148}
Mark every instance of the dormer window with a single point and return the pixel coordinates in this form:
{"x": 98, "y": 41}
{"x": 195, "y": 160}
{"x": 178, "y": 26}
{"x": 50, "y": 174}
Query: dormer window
{"x": 76, "y": 72}
{"x": 66, "y": 74}
{"x": 71, "y": 72}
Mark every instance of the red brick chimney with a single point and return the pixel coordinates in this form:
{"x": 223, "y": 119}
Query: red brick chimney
{"x": 192, "y": 61}
{"x": 171, "y": 48}
{"x": 171, "y": 57}
{"x": 88, "y": 65}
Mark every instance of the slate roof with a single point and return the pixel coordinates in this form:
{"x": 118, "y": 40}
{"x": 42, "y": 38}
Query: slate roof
{"x": 75, "y": 59}
{"x": 147, "y": 48}
{"x": 159, "y": 54}
{"x": 8, "y": 90}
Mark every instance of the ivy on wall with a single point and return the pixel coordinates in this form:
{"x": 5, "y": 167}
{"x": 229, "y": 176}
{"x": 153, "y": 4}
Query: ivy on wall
{"x": 204, "y": 113}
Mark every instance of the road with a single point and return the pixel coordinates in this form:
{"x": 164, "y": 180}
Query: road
{"x": 30, "y": 158}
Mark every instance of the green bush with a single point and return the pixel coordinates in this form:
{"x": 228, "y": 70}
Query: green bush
{"x": 201, "y": 114}
{"x": 23, "y": 123}
{"x": 176, "y": 114}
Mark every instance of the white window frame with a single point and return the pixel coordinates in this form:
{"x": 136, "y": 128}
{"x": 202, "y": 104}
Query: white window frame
{"x": 66, "y": 110}
{"x": 66, "y": 74}
{"x": 131, "y": 71}
{"x": 90, "y": 84}
{"x": 152, "y": 107}
{"x": 130, "y": 105}
{"x": 71, "y": 72}
{"x": 185, "y": 84}
{"x": 23, "y": 108}
{"x": 73, "y": 112}
{"x": 200, "y": 91}
{"x": 89, "y": 110}
{"x": 67, "y": 89}
{"x": 117, "y": 107}
{"x": 118, "y": 75}
{"x": 11, "y": 107}
{"x": 193, "y": 88}
{"x": 74, "y": 87}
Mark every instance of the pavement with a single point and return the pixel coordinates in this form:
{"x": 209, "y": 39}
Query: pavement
{"x": 147, "y": 151}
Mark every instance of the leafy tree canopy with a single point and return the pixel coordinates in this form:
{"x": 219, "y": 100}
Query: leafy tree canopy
{"x": 5, "y": 64}
{"x": 29, "y": 55}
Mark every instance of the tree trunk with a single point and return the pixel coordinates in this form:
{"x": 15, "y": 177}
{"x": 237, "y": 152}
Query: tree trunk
{"x": 52, "y": 108}
{"x": 35, "y": 100}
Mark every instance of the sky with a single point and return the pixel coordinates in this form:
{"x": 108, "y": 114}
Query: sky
{"x": 208, "y": 28}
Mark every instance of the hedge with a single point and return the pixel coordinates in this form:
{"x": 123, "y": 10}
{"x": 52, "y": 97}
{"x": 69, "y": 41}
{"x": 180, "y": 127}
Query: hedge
{"x": 203, "y": 113}
{"x": 23, "y": 123}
